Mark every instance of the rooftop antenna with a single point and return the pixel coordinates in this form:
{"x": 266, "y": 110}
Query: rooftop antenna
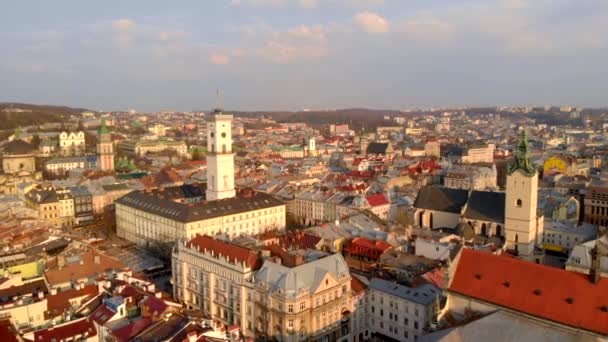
{"x": 218, "y": 100}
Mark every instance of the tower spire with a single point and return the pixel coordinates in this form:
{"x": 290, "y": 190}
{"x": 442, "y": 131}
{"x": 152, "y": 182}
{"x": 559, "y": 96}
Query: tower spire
{"x": 522, "y": 153}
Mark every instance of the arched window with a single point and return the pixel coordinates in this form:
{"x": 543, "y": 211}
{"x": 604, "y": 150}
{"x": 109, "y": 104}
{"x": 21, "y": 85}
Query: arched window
{"x": 498, "y": 230}
{"x": 420, "y": 218}
{"x": 431, "y": 220}
{"x": 518, "y": 203}
{"x": 484, "y": 229}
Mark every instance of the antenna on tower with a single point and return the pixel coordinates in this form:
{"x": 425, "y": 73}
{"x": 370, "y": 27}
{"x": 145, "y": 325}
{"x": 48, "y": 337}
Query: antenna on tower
{"x": 218, "y": 100}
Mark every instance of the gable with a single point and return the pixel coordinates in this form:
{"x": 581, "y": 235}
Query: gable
{"x": 324, "y": 282}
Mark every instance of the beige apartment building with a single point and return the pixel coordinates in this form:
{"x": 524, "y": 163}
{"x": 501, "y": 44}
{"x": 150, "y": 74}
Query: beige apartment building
{"x": 216, "y": 278}
{"x": 45, "y": 201}
{"x": 308, "y": 302}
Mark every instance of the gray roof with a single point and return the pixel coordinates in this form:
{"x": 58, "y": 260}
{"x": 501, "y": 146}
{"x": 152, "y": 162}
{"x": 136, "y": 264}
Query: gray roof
{"x": 440, "y": 198}
{"x": 501, "y": 326}
{"x": 424, "y": 295}
{"x": 306, "y": 277}
{"x": 115, "y": 187}
{"x": 18, "y": 147}
{"x": 486, "y": 206}
{"x": 82, "y": 159}
{"x": 79, "y": 191}
{"x": 153, "y": 202}
{"x": 42, "y": 196}
{"x": 377, "y": 148}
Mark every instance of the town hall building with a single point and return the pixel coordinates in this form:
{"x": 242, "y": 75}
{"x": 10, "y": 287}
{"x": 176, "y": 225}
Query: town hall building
{"x": 165, "y": 215}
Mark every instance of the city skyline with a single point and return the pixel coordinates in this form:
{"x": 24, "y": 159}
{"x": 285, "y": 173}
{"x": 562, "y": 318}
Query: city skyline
{"x": 291, "y": 55}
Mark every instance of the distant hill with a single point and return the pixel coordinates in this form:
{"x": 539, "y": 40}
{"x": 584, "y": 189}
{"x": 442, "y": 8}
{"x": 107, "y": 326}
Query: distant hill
{"x": 13, "y": 115}
{"x": 355, "y": 117}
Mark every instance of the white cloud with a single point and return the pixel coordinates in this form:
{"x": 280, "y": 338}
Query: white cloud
{"x": 258, "y": 3}
{"x": 123, "y": 24}
{"x": 427, "y": 27}
{"x": 371, "y": 22}
{"x": 298, "y": 43}
{"x": 219, "y": 59}
{"x": 362, "y": 3}
{"x": 308, "y": 3}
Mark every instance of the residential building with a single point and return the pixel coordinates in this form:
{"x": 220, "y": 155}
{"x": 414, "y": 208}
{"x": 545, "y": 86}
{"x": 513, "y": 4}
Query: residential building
{"x": 310, "y": 301}
{"x": 216, "y": 278}
{"x": 83, "y": 204}
{"x": 400, "y": 312}
{"x": 142, "y": 147}
{"x": 563, "y": 236}
{"x": 471, "y": 177}
{"x": 64, "y": 164}
{"x": 479, "y": 153}
{"x": 596, "y": 202}
{"x": 45, "y": 201}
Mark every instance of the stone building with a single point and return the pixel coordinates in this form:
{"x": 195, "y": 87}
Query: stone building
{"x": 18, "y": 157}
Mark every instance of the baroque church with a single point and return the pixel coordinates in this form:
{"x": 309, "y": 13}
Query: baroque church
{"x": 509, "y": 219}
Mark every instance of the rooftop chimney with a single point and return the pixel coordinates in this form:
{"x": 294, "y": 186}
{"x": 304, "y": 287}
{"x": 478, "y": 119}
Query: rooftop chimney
{"x": 595, "y": 272}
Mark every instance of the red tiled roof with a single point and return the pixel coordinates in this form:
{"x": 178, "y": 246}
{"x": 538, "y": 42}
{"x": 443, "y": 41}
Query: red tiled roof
{"x": 102, "y": 314}
{"x": 127, "y": 332}
{"x": 155, "y": 305}
{"x": 367, "y": 248}
{"x": 357, "y": 285}
{"x": 60, "y": 302}
{"x": 550, "y": 293}
{"x": 435, "y": 277}
{"x": 232, "y": 252}
{"x": 6, "y": 333}
{"x": 363, "y": 242}
{"x": 65, "y": 331}
{"x": 377, "y": 200}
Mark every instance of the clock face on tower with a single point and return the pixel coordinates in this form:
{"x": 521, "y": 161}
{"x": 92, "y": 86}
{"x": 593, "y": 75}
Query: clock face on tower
{"x": 223, "y": 134}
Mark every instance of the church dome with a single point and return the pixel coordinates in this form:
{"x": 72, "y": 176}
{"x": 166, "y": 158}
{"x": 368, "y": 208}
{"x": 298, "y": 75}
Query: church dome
{"x": 18, "y": 147}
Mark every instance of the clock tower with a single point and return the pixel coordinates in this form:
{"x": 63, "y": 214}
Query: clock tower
{"x": 220, "y": 159}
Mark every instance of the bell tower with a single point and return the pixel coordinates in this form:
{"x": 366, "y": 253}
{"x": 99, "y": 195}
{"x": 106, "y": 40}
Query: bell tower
{"x": 523, "y": 224}
{"x": 105, "y": 148}
{"x": 220, "y": 159}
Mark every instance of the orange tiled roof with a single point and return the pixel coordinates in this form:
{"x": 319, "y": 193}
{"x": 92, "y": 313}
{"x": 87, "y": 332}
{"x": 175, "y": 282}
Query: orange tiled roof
{"x": 88, "y": 268}
{"x": 60, "y": 302}
{"x": 357, "y": 285}
{"x": 231, "y": 251}
{"x": 553, "y": 294}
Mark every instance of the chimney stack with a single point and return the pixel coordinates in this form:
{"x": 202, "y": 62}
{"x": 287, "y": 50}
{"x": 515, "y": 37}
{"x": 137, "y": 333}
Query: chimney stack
{"x": 595, "y": 272}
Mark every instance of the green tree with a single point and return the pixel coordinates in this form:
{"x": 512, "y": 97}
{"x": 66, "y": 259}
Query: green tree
{"x": 196, "y": 154}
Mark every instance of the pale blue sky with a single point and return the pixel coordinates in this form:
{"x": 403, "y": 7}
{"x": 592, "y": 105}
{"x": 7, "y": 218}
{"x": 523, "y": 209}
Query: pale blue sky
{"x": 292, "y": 54}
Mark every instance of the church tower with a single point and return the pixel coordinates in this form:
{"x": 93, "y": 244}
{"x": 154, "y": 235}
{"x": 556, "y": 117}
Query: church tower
{"x": 105, "y": 148}
{"x": 523, "y": 224}
{"x": 220, "y": 159}
{"x": 310, "y": 147}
